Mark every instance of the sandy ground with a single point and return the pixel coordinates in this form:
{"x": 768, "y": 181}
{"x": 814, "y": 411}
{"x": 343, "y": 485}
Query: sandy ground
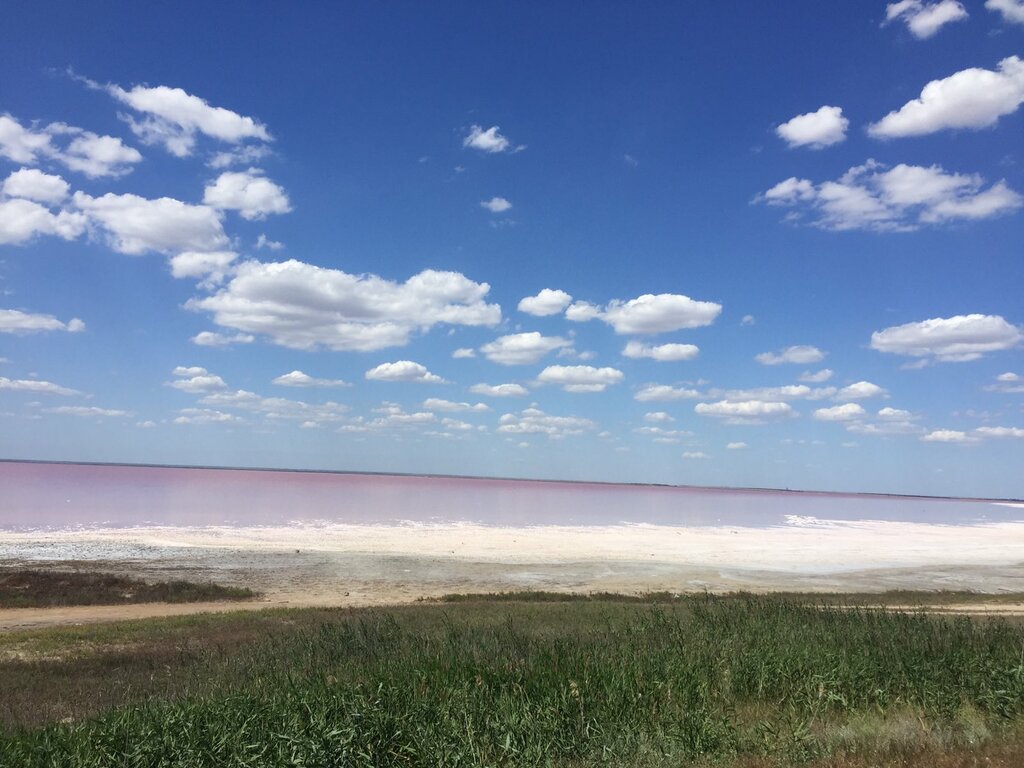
{"x": 375, "y": 564}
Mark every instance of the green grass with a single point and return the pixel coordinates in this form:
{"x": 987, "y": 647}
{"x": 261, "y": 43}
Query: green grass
{"x": 24, "y": 588}
{"x": 735, "y": 680}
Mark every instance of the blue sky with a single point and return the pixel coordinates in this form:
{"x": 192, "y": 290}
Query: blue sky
{"x": 693, "y": 243}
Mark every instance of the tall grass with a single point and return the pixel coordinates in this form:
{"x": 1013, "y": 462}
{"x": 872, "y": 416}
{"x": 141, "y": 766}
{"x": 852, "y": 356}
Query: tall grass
{"x": 633, "y": 684}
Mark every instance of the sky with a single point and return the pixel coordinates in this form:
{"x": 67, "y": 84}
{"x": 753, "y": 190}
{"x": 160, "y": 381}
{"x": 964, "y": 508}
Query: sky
{"x": 738, "y": 244}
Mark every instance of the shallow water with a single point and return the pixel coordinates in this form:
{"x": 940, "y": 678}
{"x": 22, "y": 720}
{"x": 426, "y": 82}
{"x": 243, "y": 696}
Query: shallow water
{"x": 39, "y": 496}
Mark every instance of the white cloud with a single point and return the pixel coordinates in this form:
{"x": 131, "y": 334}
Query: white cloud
{"x": 276, "y": 409}
{"x": 1008, "y": 383}
{"x": 802, "y": 354}
{"x": 739, "y": 446}
{"x": 745, "y": 411}
{"x": 196, "y": 380}
{"x": 464, "y": 353}
{"x": 249, "y": 192}
{"x": 1012, "y": 10}
{"x": 895, "y": 414}
{"x": 205, "y": 416}
{"x": 663, "y": 393}
{"x": 244, "y": 155}
{"x": 663, "y": 352}
{"x": 21, "y": 220}
{"x": 489, "y": 140}
{"x": 748, "y": 320}
{"x": 657, "y": 417}
{"x": 300, "y": 379}
{"x": 33, "y": 184}
{"x": 947, "y": 436}
{"x": 16, "y": 321}
{"x": 265, "y": 242}
{"x": 582, "y": 311}
{"x": 22, "y": 145}
{"x": 98, "y": 156}
{"x": 972, "y": 98}
{"x": 1000, "y": 432}
{"x": 785, "y": 392}
{"x": 847, "y": 412}
{"x": 547, "y": 302}
{"x": 86, "y": 411}
{"x": 499, "y": 390}
{"x": 522, "y": 348}
{"x": 36, "y": 386}
{"x": 534, "y": 421}
{"x": 403, "y": 370}
{"x": 580, "y": 378}
{"x": 924, "y": 19}
{"x": 902, "y": 198}
{"x": 496, "y": 205}
{"x": 212, "y": 339}
{"x": 695, "y": 455}
{"x": 952, "y": 339}
{"x": 817, "y": 378}
{"x": 135, "y": 225}
{"x": 817, "y": 130}
{"x": 147, "y": 424}
{"x": 860, "y": 390}
{"x": 437, "y": 404}
{"x": 660, "y": 313}
{"x": 302, "y": 306}
{"x": 173, "y": 118}
{"x": 213, "y": 266}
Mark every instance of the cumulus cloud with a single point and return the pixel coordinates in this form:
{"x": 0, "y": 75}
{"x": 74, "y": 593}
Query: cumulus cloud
{"x": 1012, "y": 11}
{"x": 902, "y": 198}
{"x": 490, "y": 140}
{"x": 85, "y": 411}
{"x": 695, "y": 455}
{"x": 547, "y": 302}
{"x": 300, "y": 379}
{"x": 403, "y": 370}
{"x": 738, "y": 446}
{"x": 663, "y": 393}
{"x": 816, "y": 130}
{"x": 205, "y": 416}
{"x": 580, "y": 378}
{"x": 463, "y": 353}
{"x": 817, "y": 377}
{"x": 33, "y": 184}
{"x": 135, "y": 225}
{"x": 745, "y": 411}
{"x": 243, "y": 155}
{"x": 522, "y": 348}
{"x": 173, "y": 118}
{"x": 785, "y": 392}
{"x": 499, "y": 390}
{"x": 648, "y": 314}
{"x": 802, "y": 354}
{"x": 861, "y": 390}
{"x": 972, "y": 98}
{"x": 895, "y": 414}
{"x": 22, "y": 220}
{"x": 662, "y": 353}
{"x": 265, "y": 242}
{"x": 213, "y": 339}
{"x": 16, "y": 321}
{"x": 277, "y": 409}
{"x": 249, "y": 192}
{"x": 86, "y": 153}
{"x": 924, "y": 19}
{"x": 437, "y": 404}
{"x": 847, "y": 412}
{"x": 211, "y": 267}
{"x": 36, "y": 386}
{"x": 657, "y": 417}
{"x": 302, "y": 306}
{"x": 196, "y": 380}
{"x": 947, "y": 436}
{"x": 533, "y": 421}
{"x": 496, "y": 205}
{"x": 952, "y": 339}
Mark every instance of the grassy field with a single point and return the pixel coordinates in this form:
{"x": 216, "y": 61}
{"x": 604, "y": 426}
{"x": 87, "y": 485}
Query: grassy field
{"x": 26, "y": 588}
{"x": 522, "y": 680}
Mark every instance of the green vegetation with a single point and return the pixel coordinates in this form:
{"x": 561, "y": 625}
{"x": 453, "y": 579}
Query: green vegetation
{"x": 733, "y": 681}
{"x": 44, "y": 589}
